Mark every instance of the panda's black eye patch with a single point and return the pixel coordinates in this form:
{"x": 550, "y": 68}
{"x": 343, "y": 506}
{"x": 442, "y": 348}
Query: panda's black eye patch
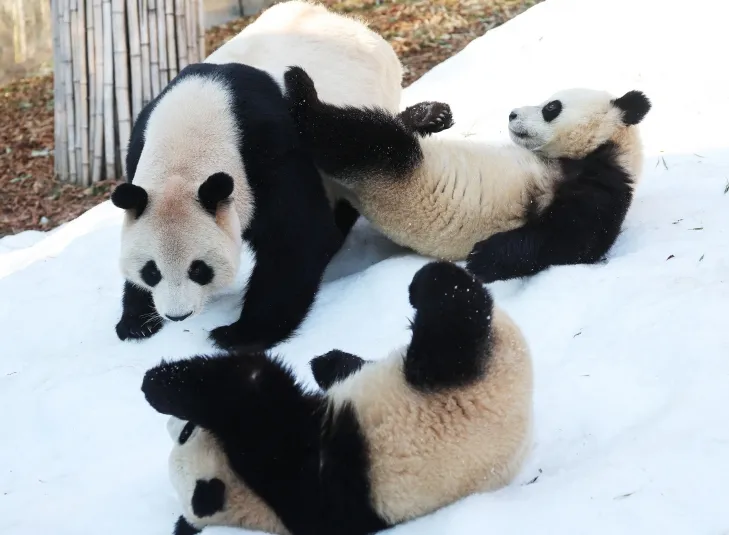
{"x": 200, "y": 272}
{"x": 186, "y": 432}
{"x": 552, "y": 110}
{"x": 150, "y": 274}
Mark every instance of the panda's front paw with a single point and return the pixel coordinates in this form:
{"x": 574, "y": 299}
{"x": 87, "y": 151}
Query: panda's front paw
{"x": 427, "y": 118}
{"x": 233, "y": 337}
{"x": 132, "y": 327}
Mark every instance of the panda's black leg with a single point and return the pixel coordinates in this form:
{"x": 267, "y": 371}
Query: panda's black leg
{"x": 139, "y": 317}
{"x": 334, "y": 366}
{"x": 579, "y": 226}
{"x": 183, "y": 527}
{"x": 451, "y": 329}
{"x": 425, "y": 118}
{"x": 350, "y": 144}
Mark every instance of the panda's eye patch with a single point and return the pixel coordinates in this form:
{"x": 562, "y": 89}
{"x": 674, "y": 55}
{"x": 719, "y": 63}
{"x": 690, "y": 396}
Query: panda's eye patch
{"x": 552, "y": 110}
{"x": 150, "y": 274}
{"x": 200, "y": 272}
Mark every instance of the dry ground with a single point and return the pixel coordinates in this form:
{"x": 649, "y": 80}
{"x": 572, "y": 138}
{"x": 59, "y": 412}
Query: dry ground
{"x": 422, "y": 32}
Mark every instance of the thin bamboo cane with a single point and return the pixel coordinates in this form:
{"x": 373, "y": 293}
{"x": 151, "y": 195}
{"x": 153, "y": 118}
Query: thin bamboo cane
{"x": 181, "y": 21}
{"x": 171, "y": 41}
{"x": 68, "y": 88}
{"x": 144, "y": 41}
{"x": 135, "y": 58}
{"x": 200, "y": 30}
{"x": 190, "y": 34}
{"x": 81, "y": 95}
{"x": 121, "y": 78}
{"x": 76, "y": 67}
{"x": 91, "y": 59}
{"x": 164, "y": 73}
{"x": 110, "y": 161}
{"x": 98, "y": 161}
{"x": 153, "y": 49}
{"x": 60, "y": 147}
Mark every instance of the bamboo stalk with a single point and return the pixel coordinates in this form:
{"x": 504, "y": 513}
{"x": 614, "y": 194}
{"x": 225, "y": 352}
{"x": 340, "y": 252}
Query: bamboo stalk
{"x": 190, "y": 34}
{"x": 91, "y": 58}
{"x": 135, "y": 59}
{"x": 76, "y": 69}
{"x": 81, "y": 94}
{"x": 144, "y": 45}
{"x": 164, "y": 73}
{"x": 68, "y": 88}
{"x": 154, "y": 73}
{"x": 60, "y": 147}
{"x": 200, "y": 30}
{"x": 108, "y": 92}
{"x": 181, "y": 20}
{"x": 99, "y": 89}
{"x": 171, "y": 41}
{"x": 121, "y": 77}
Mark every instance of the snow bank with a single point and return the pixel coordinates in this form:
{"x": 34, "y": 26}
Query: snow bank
{"x": 631, "y": 360}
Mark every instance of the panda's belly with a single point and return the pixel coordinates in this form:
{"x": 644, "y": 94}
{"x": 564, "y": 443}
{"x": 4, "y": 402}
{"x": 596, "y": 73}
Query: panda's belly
{"x": 443, "y": 220}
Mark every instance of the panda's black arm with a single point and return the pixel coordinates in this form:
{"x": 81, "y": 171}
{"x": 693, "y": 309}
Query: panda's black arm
{"x": 579, "y": 226}
{"x": 139, "y": 316}
{"x": 451, "y": 338}
{"x": 294, "y": 237}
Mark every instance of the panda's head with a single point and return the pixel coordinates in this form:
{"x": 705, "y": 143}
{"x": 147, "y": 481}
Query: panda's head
{"x": 181, "y": 236}
{"x": 575, "y": 122}
{"x": 208, "y": 490}
{"x": 179, "y": 244}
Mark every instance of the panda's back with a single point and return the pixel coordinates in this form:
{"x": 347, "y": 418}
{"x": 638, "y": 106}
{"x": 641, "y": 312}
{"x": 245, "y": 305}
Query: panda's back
{"x": 349, "y": 63}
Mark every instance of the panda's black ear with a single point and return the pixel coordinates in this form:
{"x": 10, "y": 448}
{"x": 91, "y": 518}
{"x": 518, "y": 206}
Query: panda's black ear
{"x": 216, "y": 189}
{"x": 634, "y": 105}
{"x": 130, "y": 197}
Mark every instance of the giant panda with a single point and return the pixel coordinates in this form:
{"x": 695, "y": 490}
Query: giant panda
{"x": 215, "y": 169}
{"x": 384, "y": 442}
{"x": 557, "y": 195}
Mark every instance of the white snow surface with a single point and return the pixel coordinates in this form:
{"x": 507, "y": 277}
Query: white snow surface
{"x": 631, "y": 356}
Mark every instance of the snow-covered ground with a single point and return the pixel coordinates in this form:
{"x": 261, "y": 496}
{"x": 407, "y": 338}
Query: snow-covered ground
{"x": 631, "y": 357}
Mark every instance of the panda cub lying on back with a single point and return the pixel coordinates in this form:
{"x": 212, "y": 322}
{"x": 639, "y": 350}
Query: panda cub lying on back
{"x": 448, "y": 415}
{"x": 559, "y": 195}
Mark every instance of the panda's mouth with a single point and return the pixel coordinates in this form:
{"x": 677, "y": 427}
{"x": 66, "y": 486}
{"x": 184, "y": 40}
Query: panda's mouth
{"x": 520, "y": 135}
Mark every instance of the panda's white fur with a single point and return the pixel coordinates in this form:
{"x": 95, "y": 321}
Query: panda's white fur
{"x": 445, "y": 197}
{"x": 446, "y": 416}
{"x": 201, "y": 125}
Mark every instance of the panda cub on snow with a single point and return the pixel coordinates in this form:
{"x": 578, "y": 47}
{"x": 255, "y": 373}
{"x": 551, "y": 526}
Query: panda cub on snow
{"x": 558, "y": 196}
{"x": 448, "y": 415}
{"x": 215, "y": 169}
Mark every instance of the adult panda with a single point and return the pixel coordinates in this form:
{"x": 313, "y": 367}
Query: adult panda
{"x": 448, "y": 415}
{"x": 214, "y": 167}
{"x": 557, "y": 196}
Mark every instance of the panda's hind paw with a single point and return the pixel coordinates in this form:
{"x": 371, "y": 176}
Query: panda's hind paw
{"x": 427, "y": 118}
{"x": 138, "y": 327}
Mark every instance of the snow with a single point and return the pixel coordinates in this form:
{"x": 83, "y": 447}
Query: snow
{"x": 631, "y": 357}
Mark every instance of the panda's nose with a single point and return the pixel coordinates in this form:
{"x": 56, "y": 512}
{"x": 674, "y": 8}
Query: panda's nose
{"x": 179, "y": 318}
{"x": 512, "y": 116}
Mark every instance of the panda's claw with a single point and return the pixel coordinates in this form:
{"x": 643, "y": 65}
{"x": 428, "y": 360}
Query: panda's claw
{"x": 137, "y": 328}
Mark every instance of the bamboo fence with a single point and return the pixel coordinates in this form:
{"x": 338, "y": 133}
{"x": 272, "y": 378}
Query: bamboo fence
{"x": 112, "y": 57}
